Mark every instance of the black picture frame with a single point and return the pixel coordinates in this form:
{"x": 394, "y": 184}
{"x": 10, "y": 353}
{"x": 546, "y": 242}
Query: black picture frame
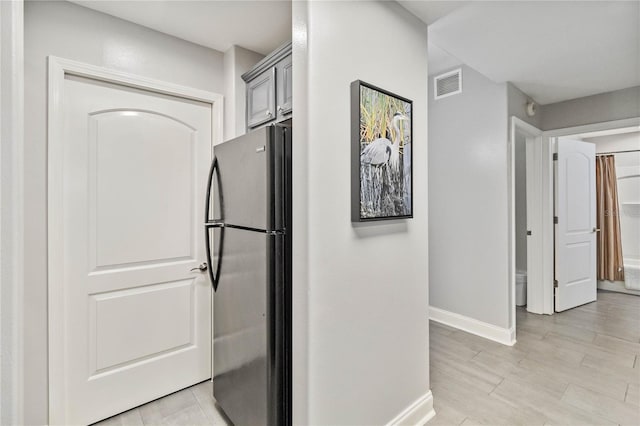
{"x": 381, "y": 147}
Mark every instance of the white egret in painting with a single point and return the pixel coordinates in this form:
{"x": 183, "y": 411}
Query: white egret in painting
{"x": 383, "y": 151}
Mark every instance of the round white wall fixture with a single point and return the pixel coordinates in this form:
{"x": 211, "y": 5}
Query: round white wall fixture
{"x": 531, "y": 108}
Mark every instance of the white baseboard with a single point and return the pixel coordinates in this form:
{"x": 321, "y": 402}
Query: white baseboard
{"x": 417, "y": 414}
{"x": 506, "y": 336}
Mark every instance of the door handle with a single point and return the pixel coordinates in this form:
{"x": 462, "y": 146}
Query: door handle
{"x": 202, "y": 267}
{"x": 595, "y": 230}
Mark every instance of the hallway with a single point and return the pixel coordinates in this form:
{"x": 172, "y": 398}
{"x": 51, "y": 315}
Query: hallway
{"x": 577, "y": 367}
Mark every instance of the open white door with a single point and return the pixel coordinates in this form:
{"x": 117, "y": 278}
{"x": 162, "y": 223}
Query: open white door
{"x": 575, "y": 235}
{"x": 534, "y": 226}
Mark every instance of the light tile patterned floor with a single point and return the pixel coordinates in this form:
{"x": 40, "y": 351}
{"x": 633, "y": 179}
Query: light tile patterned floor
{"x": 188, "y": 407}
{"x": 579, "y": 367}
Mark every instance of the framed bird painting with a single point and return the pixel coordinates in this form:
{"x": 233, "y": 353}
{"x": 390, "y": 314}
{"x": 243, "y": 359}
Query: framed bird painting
{"x": 381, "y": 158}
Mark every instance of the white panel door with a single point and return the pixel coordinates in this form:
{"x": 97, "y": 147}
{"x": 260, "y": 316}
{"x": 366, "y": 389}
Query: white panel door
{"x": 137, "y": 320}
{"x": 534, "y": 226}
{"x": 576, "y": 227}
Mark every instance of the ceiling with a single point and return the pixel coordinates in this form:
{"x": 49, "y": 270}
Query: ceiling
{"x": 551, "y": 50}
{"x": 430, "y": 11}
{"x": 258, "y": 25}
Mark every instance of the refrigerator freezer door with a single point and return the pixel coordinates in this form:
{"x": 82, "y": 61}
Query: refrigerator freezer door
{"x": 247, "y": 376}
{"x": 247, "y": 187}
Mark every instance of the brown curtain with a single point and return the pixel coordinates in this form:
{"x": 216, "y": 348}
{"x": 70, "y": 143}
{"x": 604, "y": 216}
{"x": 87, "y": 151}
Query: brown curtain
{"x": 610, "y": 266}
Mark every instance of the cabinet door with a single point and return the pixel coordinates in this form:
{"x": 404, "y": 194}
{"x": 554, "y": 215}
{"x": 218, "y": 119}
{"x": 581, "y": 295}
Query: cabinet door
{"x": 261, "y": 99}
{"x": 284, "y": 76}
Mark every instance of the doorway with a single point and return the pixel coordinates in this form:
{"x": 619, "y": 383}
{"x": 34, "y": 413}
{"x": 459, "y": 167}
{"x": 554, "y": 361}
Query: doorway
{"x": 128, "y": 160}
{"x": 527, "y": 224}
{"x": 544, "y": 290}
{"x": 618, "y": 189}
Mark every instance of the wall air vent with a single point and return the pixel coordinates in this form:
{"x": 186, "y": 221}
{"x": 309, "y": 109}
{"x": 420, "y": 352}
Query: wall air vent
{"x": 447, "y": 84}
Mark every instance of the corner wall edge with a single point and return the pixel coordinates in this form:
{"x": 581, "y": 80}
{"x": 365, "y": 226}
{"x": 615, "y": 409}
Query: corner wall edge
{"x": 505, "y": 336}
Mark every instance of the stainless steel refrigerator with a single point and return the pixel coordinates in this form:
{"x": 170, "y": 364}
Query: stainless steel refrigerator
{"x": 248, "y": 244}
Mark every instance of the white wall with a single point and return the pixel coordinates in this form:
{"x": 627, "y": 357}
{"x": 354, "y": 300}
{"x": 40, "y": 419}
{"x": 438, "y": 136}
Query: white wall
{"x": 237, "y": 61}
{"x": 73, "y": 32}
{"x": 468, "y": 201}
{"x": 360, "y": 291}
{"x": 609, "y": 106}
{"x": 612, "y": 143}
{"x": 11, "y": 224}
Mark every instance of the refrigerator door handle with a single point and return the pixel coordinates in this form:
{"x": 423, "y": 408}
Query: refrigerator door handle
{"x": 214, "y": 170}
{"x": 214, "y": 273}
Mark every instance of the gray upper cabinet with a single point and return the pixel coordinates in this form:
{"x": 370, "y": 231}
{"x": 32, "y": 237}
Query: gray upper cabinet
{"x": 269, "y": 88}
{"x": 261, "y": 99}
{"x": 283, "y": 86}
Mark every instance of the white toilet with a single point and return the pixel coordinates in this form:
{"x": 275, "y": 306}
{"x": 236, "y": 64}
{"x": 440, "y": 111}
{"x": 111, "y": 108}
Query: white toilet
{"x": 521, "y": 288}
